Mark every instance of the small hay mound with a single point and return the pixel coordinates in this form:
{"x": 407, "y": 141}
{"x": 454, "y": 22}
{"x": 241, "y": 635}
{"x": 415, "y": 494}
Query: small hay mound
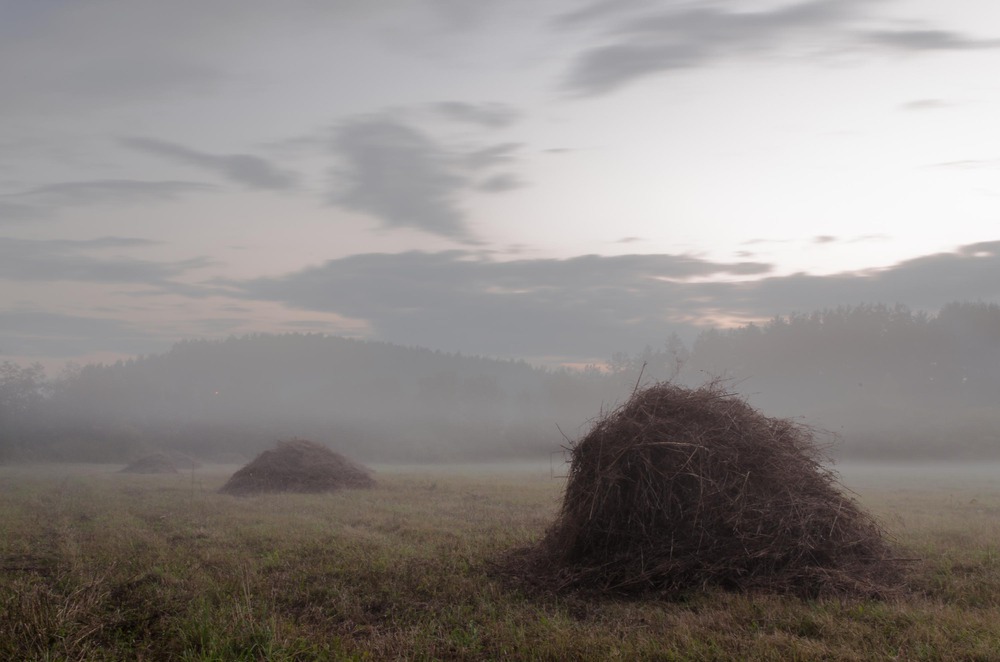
{"x": 682, "y": 489}
{"x": 157, "y": 463}
{"x": 183, "y": 461}
{"x": 298, "y": 465}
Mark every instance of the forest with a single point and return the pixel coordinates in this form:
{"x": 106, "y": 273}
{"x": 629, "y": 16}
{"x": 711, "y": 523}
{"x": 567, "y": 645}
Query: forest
{"x": 885, "y": 382}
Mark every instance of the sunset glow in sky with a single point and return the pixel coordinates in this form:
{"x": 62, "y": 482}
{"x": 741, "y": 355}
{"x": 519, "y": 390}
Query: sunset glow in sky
{"x": 551, "y": 180}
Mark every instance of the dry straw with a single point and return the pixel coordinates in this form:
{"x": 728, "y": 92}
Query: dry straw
{"x": 298, "y": 465}
{"x": 681, "y": 489}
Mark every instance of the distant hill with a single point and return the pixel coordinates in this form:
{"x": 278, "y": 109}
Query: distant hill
{"x": 375, "y": 400}
{"x": 892, "y": 383}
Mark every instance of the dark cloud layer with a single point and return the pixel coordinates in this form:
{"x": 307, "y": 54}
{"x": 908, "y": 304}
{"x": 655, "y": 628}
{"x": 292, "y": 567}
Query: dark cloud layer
{"x": 592, "y": 305}
{"x": 250, "y": 171}
{"x": 56, "y": 260}
{"x": 458, "y": 300}
{"x": 43, "y": 201}
{"x": 585, "y": 307}
{"x": 642, "y": 40}
{"x": 44, "y": 334}
{"x": 969, "y": 274}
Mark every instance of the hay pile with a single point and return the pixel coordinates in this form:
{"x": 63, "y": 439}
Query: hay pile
{"x": 183, "y": 461}
{"x": 687, "y": 488}
{"x": 157, "y": 463}
{"x": 298, "y": 465}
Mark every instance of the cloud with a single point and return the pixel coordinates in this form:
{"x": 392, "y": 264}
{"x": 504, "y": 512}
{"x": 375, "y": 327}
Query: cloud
{"x": 969, "y": 273}
{"x": 500, "y": 183}
{"x": 43, "y": 202}
{"x": 23, "y": 260}
{"x": 488, "y": 115}
{"x": 681, "y": 38}
{"x": 69, "y": 58}
{"x": 587, "y": 305}
{"x": 492, "y": 155}
{"x": 593, "y": 305}
{"x": 406, "y": 178}
{"x": 13, "y": 212}
{"x": 600, "y": 11}
{"x": 65, "y": 58}
{"x": 104, "y": 191}
{"x": 460, "y": 14}
{"x": 45, "y": 334}
{"x": 642, "y": 41}
{"x": 102, "y": 243}
{"x": 925, "y": 104}
{"x": 969, "y": 164}
{"x": 928, "y": 40}
{"x": 401, "y": 176}
{"x": 251, "y": 171}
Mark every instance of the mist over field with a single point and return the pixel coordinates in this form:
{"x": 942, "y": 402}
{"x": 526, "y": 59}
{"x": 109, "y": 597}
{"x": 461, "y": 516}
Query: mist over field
{"x": 879, "y": 383}
{"x": 406, "y": 229}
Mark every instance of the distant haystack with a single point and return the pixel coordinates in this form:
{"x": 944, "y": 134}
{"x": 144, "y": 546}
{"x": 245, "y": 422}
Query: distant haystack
{"x": 298, "y": 465}
{"x": 682, "y": 489}
{"x": 183, "y": 461}
{"x": 157, "y": 463}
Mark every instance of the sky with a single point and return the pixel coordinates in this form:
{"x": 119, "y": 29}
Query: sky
{"x": 547, "y": 179}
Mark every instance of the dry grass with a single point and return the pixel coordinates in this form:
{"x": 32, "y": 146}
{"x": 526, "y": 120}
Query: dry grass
{"x": 96, "y": 565}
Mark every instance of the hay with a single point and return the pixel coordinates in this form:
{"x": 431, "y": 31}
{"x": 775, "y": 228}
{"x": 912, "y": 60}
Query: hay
{"x": 683, "y": 489}
{"x": 183, "y": 461}
{"x": 157, "y": 463}
{"x": 298, "y": 465}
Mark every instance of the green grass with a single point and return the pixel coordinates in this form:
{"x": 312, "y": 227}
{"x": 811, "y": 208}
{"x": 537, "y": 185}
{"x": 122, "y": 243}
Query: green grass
{"x": 96, "y": 565}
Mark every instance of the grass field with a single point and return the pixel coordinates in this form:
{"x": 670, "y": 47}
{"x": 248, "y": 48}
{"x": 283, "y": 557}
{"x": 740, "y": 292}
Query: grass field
{"x": 97, "y": 565}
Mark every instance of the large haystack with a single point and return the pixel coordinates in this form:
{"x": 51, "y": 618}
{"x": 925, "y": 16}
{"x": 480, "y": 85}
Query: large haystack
{"x": 298, "y": 465}
{"x": 687, "y": 488}
{"x": 157, "y": 463}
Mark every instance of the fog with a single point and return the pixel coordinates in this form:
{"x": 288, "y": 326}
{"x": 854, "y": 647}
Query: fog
{"x": 878, "y": 382}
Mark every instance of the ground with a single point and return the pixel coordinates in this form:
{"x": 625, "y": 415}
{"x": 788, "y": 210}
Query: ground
{"x": 99, "y": 565}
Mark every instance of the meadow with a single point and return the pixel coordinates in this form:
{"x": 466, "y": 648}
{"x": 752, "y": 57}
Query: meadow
{"x": 96, "y": 565}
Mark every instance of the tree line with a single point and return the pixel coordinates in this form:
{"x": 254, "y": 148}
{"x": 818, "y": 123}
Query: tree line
{"x": 888, "y": 380}
{"x": 891, "y": 382}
